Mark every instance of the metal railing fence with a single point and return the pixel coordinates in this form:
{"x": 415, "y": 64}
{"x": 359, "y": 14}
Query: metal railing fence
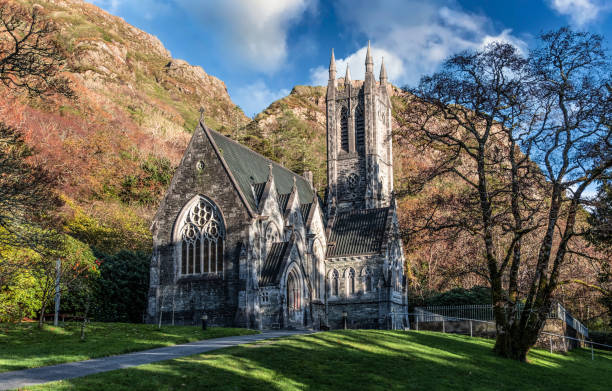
{"x": 422, "y": 317}
{"x": 484, "y": 312}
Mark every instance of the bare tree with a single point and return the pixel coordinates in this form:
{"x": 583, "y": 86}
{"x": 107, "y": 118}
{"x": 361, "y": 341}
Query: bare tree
{"x": 524, "y": 137}
{"x": 31, "y": 58}
{"x": 27, "y": 203}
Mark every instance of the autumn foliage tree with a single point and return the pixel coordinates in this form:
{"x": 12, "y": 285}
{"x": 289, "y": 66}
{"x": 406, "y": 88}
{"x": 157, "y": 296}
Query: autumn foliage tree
{"x": 31, "y": 61}
{"x": 27, "y": 204}
{"x": 524, "y": 137}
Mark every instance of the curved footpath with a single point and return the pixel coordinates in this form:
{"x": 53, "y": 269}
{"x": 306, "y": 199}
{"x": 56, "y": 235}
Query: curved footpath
{"x": 40, "y": 375}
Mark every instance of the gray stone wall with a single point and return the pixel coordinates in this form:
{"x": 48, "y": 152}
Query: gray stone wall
{"x": 365, "y": 309}
{"x": 190, "y": 296}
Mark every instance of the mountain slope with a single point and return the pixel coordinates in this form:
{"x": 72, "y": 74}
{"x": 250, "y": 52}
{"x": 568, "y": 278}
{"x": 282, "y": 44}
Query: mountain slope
{"x": 116, "y": 144}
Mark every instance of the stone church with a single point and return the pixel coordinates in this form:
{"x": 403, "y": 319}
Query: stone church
{"x": 248, "y": 243}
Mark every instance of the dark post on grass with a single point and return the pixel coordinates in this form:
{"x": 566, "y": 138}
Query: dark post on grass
{"x": 58, "y": 274}
{"x": 344, "y": 316}
{"x": 204, "y": 321}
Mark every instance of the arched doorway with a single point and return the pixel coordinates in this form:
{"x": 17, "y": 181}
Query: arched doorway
{"x": 294, "y": 294}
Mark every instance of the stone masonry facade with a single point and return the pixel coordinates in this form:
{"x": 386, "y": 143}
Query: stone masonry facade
{"x": 248, "y": 243}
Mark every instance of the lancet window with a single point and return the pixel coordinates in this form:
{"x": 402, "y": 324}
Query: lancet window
{"x": 350, "y": 281}
{"x": 367, "y": 279}
{"x": 333, "y": 283}
{"x": 344, "y": 131}
{"x": 359, "y": 128}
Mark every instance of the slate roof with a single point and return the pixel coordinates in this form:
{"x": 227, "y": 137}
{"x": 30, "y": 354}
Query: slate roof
{"x": 258, "y": 189}
{"x": 250, "y": 168}
{"x": 305, "y": 209}
{"x": 282, "y": 200}
{"x": 357, "y": 232}
{"x": 273, "y": 263}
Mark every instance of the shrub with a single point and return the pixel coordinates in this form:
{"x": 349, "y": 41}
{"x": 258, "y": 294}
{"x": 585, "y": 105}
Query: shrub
{"x": 601, "y": 337}
{"x": 120, "y": 293}
{"x": 458, "y": 296}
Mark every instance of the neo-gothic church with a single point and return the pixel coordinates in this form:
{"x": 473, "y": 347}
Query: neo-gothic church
{"x": 249, "y": 243}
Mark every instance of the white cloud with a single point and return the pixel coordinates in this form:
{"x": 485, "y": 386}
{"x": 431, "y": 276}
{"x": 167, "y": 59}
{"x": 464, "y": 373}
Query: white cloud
{"x": 416, "y": 36}
{"x": 256, "y": 96}
{"x": 254, "y": 31}
{"x": 580, "y": 12}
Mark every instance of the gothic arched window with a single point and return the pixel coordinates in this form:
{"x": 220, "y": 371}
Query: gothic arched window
{"x": 271, "y": 236}
{"x": 366, "y": 274}
{"x": 350, "y": 281}
{"x": 202, "y": 239}
{"x": 359, "y": 128}
{"x": 333, "y": 283}
{"x": 344, "y": 132}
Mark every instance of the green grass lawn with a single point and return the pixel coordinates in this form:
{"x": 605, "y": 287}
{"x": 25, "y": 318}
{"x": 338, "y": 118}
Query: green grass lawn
{"x": 26, "y": 346}
{"x": 360, "y": 360}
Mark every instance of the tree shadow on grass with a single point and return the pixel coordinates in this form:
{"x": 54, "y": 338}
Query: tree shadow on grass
{"x": 360, "y": 360}
{"x": 26, "y": 346}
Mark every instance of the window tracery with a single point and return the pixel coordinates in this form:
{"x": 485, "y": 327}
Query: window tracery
{"x": 202, "y": 240}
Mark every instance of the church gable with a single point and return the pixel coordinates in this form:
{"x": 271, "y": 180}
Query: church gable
{"x": 201, "y": 172}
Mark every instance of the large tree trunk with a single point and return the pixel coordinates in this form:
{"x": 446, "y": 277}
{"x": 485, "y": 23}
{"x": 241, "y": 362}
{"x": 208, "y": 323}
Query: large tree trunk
{"x": 510, "y": 345}
{"x": 41, "y": 317}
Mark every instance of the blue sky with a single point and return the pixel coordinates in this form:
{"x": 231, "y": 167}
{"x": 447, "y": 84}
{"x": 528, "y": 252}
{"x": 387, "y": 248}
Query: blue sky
{"x": 262, "y": 48}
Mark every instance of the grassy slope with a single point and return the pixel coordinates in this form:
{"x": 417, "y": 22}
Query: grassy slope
{"x": 358, "y": 360}
{"x": 25, "y": 346}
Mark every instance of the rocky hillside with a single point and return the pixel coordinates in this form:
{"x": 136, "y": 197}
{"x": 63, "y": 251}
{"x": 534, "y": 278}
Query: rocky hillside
{"x": 117, "y": 143}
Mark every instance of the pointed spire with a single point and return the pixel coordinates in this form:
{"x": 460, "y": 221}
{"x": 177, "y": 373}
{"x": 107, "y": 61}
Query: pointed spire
{"x": 369, "y": 62}
{"x": 347, "y": 77}
{"x": 383, "y": 72}
{"x": 332, "y": 67}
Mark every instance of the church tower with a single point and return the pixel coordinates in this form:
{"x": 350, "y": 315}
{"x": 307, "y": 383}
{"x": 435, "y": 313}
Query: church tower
{"x": 359, "y": 147}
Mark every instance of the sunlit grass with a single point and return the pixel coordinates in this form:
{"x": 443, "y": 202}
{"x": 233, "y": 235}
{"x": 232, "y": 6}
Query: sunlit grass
{"x": 26, "y": 346}
{"x": 360, "y": 360}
